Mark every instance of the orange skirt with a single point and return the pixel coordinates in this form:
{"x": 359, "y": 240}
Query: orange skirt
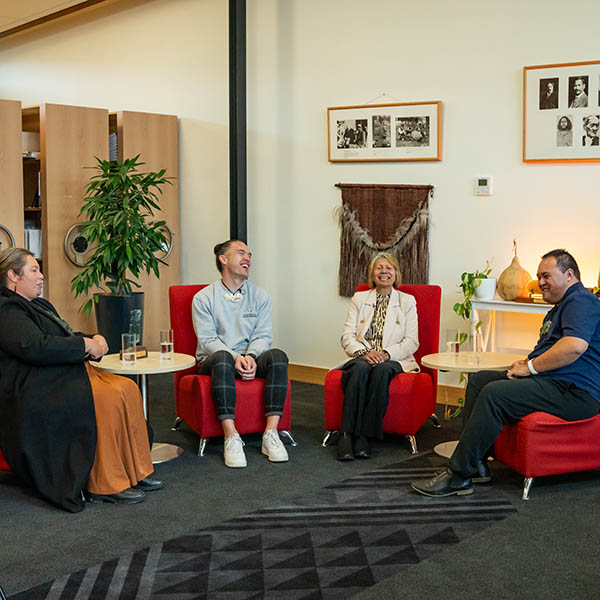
{"x": 122, "y": 450}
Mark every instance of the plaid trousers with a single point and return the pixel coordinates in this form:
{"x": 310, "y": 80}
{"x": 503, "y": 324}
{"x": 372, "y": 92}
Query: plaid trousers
{"x": 272, "y": 365}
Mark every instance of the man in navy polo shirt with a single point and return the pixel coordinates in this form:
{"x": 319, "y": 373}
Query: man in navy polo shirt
{"x": 561, "y": 376}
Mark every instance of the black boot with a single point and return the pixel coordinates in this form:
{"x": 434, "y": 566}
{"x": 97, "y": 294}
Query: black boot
{"x": 362, "y": 448}
{"x": 344, "y": 447}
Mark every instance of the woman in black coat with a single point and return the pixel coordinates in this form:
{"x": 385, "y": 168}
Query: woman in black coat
{"x": 48, "y": 406}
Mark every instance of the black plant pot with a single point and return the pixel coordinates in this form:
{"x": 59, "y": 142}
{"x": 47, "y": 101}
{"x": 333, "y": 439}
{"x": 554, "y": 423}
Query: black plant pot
{"x": 119, "y": 314}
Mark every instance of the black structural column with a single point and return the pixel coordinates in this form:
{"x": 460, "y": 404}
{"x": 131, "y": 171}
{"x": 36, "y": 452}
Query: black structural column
{"x": 237, "y": 120}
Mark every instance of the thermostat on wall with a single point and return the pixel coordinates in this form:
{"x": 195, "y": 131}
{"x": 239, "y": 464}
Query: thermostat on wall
{"x": 483, "y": 186}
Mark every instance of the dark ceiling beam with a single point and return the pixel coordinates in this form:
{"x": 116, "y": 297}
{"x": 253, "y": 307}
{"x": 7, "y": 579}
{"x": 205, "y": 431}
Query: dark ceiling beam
{"x": 237, "y": 121}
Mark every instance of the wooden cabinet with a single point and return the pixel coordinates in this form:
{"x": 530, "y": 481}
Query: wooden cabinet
{"x": 154, "y": 137}
{"x": 11, "y": 174}
{"x": 70, "y": 138}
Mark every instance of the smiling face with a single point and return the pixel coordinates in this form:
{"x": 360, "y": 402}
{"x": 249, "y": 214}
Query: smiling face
{"x": 236, "y": 261}
{"x": 384, "y": 275}
{"x": 552, "y": 281}
{"x": 30, "y": 283}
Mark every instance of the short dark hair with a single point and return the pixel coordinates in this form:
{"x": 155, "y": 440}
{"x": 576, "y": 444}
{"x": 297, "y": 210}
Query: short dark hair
{"x": 221, "y": 249}
{"x": 564, "y": 261}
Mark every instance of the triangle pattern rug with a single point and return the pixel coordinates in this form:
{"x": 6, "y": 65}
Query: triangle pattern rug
{"x": 347, "y": 537}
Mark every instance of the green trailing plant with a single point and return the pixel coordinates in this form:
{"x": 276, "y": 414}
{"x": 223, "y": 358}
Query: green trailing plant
{"x": 119, "y": 204}
{"x": 468, "y": 283}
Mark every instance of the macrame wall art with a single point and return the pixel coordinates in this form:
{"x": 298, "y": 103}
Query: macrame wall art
{"x": 383, "y": 218}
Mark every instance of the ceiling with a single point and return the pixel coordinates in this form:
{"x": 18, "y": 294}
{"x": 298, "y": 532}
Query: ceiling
{"x": 16, "y": 15}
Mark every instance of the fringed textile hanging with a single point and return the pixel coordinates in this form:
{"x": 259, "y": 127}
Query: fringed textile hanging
{"x": 383, "y": 218}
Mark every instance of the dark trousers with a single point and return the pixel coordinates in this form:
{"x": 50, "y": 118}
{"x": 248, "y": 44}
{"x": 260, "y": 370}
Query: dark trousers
{"x": 366, "y": 395}
{"x": 272, "y": 365}
{"x": 492, "y": 401}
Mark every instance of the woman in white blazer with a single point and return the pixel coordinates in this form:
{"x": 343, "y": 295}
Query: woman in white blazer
{"x": 381, "y": 336}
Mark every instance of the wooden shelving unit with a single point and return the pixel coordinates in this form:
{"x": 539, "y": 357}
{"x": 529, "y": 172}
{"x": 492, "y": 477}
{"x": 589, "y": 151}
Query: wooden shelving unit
{"x": 11, "y": 173}
{"x": 155, "y": 138}
{"x": 69, "y": 139}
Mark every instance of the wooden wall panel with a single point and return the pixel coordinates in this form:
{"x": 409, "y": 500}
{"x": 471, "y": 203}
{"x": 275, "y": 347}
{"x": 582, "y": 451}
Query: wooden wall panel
{"x": 70, "y": 138}
{"x": 155, "y": 138}
{"x": 11, "y": 172}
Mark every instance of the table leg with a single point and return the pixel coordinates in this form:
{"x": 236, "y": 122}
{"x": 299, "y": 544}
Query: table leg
{"x": 446, "y": 449}
{"x": 160, "y": 452}
{"x": 142, "y": 380}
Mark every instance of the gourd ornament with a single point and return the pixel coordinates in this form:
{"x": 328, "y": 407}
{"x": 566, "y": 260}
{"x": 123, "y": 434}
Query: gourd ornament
{"x": 513, "y": 281}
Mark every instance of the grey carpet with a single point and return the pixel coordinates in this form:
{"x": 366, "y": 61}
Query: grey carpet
{"x": 328, "y": 545}
{"x": 546, "y": 550}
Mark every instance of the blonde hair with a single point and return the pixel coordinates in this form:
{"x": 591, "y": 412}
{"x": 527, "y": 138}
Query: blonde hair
{"x": 392, "y": 260}
{"x": 12, "y": 259}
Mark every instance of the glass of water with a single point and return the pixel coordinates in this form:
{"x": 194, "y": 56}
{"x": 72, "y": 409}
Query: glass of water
{"x": 128, "y": 349}
{"x": 166, "y": 344}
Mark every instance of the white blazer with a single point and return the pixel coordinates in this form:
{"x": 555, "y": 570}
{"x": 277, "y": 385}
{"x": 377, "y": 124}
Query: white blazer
{"x": 400, "y": 331}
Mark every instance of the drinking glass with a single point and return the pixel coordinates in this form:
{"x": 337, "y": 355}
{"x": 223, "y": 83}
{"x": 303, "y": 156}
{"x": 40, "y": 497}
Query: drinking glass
{"x": 166, "y": 344}
{"x": 452, "y": 340}
{"x": 128, "y": 349}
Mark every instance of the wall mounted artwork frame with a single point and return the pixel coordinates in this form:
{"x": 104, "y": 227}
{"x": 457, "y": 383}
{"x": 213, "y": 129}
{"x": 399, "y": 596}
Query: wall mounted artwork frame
{"x": 405, "y": 131}
{"x": 561, "y": 113}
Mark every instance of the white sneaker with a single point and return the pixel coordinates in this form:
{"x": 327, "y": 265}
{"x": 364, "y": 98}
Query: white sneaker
{"x": 273, "y": 447}
{"x": 233, "y": 451}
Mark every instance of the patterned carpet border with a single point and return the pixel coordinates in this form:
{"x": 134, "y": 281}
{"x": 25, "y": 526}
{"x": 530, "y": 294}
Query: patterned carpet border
{"x": 349, "y": 536}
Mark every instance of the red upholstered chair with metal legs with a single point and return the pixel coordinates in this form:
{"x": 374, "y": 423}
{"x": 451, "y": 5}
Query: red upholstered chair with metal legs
{"x": 412, "y": 395}
{"x": 542, "y": 444}
{"x": 193, "y": 399}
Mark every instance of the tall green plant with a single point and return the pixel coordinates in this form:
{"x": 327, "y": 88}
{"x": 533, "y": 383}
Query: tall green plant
{"x": 119, "y": 204}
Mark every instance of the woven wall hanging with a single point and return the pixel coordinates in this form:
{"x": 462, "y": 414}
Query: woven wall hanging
{"x": 383, "y": 218}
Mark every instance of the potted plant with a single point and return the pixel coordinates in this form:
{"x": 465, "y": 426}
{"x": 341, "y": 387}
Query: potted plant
{"x": 119, "y": 204}
{"x": 469, "y": 282}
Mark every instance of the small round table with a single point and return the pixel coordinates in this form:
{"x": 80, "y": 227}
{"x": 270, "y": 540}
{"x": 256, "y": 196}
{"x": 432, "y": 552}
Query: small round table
{"x": 466, "y": 362}
{"x": 151, "y": 365}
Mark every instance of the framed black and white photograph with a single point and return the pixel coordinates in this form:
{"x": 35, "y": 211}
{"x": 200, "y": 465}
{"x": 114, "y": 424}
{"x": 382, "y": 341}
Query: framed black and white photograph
{"x": 380, "y": 132}
{"x": 561, "y": 112}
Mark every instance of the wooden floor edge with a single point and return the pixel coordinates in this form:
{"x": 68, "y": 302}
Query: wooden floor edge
{"x": 447, "y": 394}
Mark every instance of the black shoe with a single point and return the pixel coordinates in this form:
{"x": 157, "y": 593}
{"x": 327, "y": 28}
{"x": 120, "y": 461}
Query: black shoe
{"x": 484, "y": 473}
{"x": 445, "y": 483}
{"x": 362, "y": 448}
{"x": 344, "y": 447}
{"x": 128, "y": 496}
{"x": 149, "y": 485}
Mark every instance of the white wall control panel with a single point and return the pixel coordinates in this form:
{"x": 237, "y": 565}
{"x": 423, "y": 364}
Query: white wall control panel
{"x": 483, "y": 185}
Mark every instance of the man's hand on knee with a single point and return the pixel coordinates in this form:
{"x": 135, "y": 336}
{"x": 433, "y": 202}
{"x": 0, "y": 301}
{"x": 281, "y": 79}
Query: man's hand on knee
{"x": 518, "y": 369}
{"x": 245, "y": 366}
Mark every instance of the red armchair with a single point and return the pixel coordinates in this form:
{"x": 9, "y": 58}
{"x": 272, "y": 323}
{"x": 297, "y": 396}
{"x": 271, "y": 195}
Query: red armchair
{"x": 542, "y": 444}
{"x": 412, "y": 395}
{"x": 193, "y": 399}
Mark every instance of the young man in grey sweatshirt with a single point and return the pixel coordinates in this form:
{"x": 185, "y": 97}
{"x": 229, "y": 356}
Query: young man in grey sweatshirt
{"x": 232, "y": 320}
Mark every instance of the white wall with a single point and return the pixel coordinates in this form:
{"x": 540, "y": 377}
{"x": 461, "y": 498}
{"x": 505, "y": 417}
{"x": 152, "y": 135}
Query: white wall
{"x": 305, "y": 55}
